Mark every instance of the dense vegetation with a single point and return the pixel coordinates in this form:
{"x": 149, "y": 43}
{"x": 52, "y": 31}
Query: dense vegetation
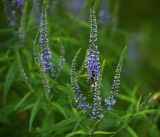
{"x": 58, "y": 61}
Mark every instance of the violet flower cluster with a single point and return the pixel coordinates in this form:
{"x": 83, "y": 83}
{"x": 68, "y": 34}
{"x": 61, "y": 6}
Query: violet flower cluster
{"x": 47, "y": 65}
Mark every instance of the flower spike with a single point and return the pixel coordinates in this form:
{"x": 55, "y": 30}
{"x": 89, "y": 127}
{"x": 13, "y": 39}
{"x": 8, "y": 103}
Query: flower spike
{"x": 47, "y": 65}
{"x": 78, "y": 95}
{"x": 111, "y": 100}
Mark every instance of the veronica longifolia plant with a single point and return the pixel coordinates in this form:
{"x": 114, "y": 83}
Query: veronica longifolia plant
{"x": 93, "y": 71}
{"x": 42, "y": 52}
{"x": 94, "y": 78}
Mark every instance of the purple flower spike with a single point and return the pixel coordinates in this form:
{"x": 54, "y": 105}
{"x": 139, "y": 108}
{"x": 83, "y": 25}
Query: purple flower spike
{"x": 93, "y": 68}
{"x": 79, "y": 98}
{"x": 93, "y": 58}
{"x": 111, "y": 100}
{"x": 45, "y": 51}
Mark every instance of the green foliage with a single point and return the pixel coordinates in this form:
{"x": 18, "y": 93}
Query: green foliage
{"x": 9, "y": 79}
{"x": 24, "y": 109}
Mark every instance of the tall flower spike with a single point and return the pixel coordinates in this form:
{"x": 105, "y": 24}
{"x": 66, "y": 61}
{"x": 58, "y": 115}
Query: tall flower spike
{"x": 93, "y": 68}
{"x": 78, "y": 95}
{"x": 93, "y": 58}
{"x": 45, "y": 51}
{"x": 111, "y": 100}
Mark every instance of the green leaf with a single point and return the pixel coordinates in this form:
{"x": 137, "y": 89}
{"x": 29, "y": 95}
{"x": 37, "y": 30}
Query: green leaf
{"x": 149, "y": 111}
{"x": 131, "y": 132}
{"x": 138, "y": 103}
{"x": 126, "y": 117}
{"x": 83, "y": 64}
{"x": 34, "y": 111}
{"x": 59, "y": 108}
{"x": 134, "y": 91}
{"x": 9, "y": 79}
{"x": 127, "y": 98}
{"x": 22, "y": 100}
{"x": 61, "y": 125}
{"x": 28, "y": 107}
{"x": 78, "y": 123}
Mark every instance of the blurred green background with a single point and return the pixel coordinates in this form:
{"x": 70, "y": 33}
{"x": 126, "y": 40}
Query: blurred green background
{"x": 135, "y": 23}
